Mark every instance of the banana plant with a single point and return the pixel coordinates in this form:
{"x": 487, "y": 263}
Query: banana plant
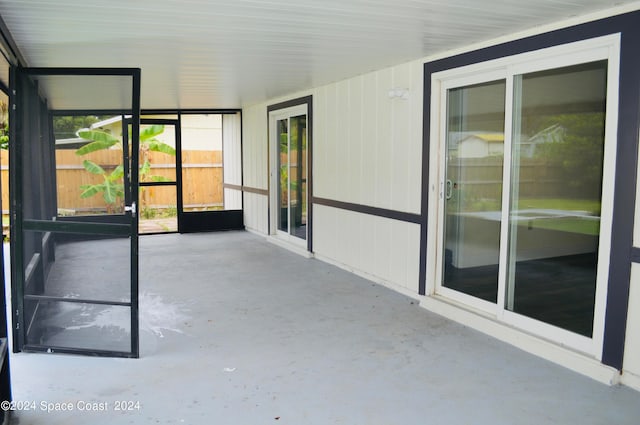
{"x": 4, "y": 126}
{"x": 112, "y": 187}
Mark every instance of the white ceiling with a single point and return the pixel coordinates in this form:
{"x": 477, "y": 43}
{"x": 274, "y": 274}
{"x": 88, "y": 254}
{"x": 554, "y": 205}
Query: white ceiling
{"x": 229, "y": 53}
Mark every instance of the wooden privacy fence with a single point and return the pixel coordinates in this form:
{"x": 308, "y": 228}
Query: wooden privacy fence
{"x": 476, "y": 178}
{"x": 202, "y": 180}
{"x": 481, "y": 178}
{"x": 4, "y": 176}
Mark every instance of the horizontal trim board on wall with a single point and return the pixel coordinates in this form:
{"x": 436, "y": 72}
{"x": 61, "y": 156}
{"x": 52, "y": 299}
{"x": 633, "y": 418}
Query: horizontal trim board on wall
{"x": 635, "y": 254}
{"x": 290, "y": 103}
{"x": 91, "y": 228}
{"x": 366, "y": 209}
{"x": 248, "y": 189}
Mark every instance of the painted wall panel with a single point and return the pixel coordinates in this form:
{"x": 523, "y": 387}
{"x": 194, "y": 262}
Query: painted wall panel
{"x": 369, "y": 135}
{"x": 254, "y": 134}
{"x": 382, "y": 238}
{"x": 255, "y": 212}
{"x": 232, "y": 199}
{"x": 330, "y": 141}
{"x": 232, "y": 149}
{"x": 414, "y": 149}
{"x": 254, "y": 155}
{"x": 366, "y": 145}
{"x": 367, "y": 260}
{"x": 342, "y": 144}
{"x": 320, "y": 169}
{"x": 366, "y": 150}
{"x": 385, "y": 250}
{"x": 355, "y": 145}
{"x": 400, "y": 117}
{"x": 383, "y": 144}
{"x": 632, "y": 342}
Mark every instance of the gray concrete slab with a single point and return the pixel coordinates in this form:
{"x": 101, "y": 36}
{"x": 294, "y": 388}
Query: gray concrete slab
{"x": 235, "y": 330}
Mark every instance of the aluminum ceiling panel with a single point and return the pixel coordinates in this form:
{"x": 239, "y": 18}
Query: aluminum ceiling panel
{"x": 82, "y": 92}
{"x": 226, "y": 53}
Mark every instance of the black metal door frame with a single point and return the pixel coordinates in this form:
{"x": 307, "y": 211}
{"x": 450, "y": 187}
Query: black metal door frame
{"x": 128, "y": 227}
{"x": 178, "y": 162}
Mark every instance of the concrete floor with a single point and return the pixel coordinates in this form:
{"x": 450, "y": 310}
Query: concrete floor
{"x": 235, "y": 330}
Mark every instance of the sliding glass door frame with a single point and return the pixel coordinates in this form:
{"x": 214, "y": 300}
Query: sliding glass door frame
{"x": 507, "y": 69}
{"x": 177, "y": 181}
{"x": 286, "y": 114}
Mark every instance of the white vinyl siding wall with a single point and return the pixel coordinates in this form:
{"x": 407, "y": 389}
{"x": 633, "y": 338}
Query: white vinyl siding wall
{"x": 232, "y": 160}
{"x": 367, "y": 150}
{"x": 631, "y": 367}
{"x": 254, "y": 165}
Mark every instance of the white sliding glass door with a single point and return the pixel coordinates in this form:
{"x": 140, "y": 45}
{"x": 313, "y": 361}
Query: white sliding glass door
{"x": 527, "y": 152}
{"x": 289, "y": 164}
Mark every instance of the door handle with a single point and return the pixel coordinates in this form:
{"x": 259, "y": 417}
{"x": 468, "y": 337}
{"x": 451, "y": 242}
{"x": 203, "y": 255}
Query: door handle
{"x": 449, "y": 190}
{"x": 131, "y": 208}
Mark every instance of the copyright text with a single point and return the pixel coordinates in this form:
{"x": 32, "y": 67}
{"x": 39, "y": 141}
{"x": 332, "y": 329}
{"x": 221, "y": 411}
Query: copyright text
{"x": 74, "y": 406}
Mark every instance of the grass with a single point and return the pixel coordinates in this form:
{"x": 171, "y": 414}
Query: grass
{"x": 588, "y": 205}
{"x": 571, "y": 225}
{"x": 585, "y": 226}
{"x": 149, "y": 213}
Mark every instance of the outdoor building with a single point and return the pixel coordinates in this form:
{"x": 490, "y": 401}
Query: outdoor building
{"x": 493, "y": 181}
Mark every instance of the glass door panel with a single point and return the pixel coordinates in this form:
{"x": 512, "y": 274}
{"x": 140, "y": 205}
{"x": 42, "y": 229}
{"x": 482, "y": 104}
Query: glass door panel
{"x": 283, "y": 168}
{"x": 298, "y": 176}
{"x": 289, "y": 170}
{"x": 473, "y": 189}
{"x": 90, "y": 178}
{"x": 157, "y": 153}
{"x": 159, "y": 213}
{"x": 158, "y": 176}
{"x": 556, "y": 187}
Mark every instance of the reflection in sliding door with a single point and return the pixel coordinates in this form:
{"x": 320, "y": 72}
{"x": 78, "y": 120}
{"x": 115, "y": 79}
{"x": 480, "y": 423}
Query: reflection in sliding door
{"x": 556, "y": 187}
{"x": 474, "y": 158}
{"x": 289, "y": 167}
{"x": 298, "y": 176}
{"x": 283, "y": 168}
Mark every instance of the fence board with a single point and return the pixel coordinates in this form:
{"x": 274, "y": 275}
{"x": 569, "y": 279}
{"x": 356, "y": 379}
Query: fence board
{"x": 202, "y": 179}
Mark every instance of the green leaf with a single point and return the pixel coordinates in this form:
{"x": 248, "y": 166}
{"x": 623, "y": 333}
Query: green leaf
{"x": 110, "y": 192}
{"x": 160, "y": 179}
{"x": 150, "y": 132}
{"x": 93, "y": 147}
{"x": 89, "y": 190}
{"x": 92, "y": 167}
{"x": 117, "y": 173}
{"x": 158, "y": 146}
{"x": 101, "y": 141}
{"x": 145, "y": 167}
